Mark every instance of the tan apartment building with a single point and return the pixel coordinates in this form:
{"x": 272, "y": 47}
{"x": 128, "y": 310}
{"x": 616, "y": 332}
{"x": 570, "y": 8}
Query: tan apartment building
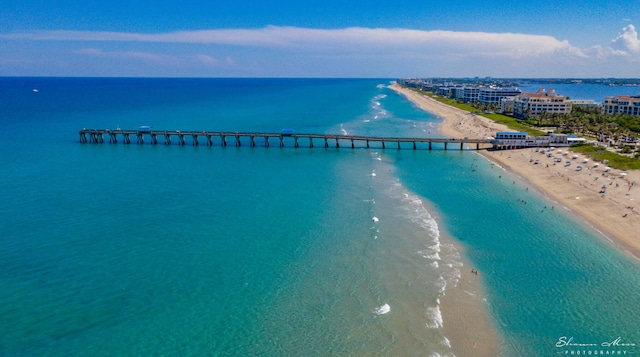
{"x": 531, "y": 104}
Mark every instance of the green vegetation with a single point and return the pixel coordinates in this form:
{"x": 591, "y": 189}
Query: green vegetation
{"x": 615, "y": 160}
{"x": 454, "y": 103}
{"x": 509, "y": 121}
{"x": 513, "y": 123}
{"x": 590, "y": 122}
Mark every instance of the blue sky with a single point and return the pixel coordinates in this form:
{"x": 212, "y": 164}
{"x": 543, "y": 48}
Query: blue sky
{"x": 282, "y": 38}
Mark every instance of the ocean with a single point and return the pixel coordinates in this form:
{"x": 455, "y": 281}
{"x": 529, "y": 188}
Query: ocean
{"x": 168, "y": 250}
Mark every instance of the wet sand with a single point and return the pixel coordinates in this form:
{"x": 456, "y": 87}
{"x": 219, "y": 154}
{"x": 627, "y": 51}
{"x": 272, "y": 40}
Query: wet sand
{"x": 466, "y": 316}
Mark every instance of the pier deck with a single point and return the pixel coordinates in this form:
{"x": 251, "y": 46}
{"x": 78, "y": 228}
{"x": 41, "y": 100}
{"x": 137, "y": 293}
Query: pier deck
{"x": 221, "y": 138}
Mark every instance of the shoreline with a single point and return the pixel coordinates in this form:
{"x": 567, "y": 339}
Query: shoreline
{"x": 613, "y": 214}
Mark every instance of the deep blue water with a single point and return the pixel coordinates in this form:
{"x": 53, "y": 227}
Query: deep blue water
{"x": 113, "y": 249}
{"x": 596, "y": 92}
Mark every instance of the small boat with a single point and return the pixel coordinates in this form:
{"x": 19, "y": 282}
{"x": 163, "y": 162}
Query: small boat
{"x": 578, "y": 168}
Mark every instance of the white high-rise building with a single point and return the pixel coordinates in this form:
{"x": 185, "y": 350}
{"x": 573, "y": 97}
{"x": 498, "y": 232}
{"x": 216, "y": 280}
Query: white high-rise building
{"x": 495, "y": 95}
{"x": 622, "y": 104}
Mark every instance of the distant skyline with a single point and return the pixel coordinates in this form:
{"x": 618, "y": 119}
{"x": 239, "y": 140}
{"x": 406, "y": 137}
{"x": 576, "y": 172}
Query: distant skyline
{"x": 282, "y": 38}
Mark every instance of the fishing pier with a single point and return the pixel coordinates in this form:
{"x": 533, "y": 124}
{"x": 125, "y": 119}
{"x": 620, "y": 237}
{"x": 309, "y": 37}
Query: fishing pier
{"x": 215, "y": 138}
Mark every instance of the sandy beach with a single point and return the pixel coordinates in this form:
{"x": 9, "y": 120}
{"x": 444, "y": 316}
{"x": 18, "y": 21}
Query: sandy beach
{"x": 606, "y": 200}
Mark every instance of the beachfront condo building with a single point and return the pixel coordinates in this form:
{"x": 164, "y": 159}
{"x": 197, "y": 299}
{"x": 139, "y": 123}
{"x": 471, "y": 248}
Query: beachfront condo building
{"x": 526, "y": 105}
{"x": 622, "y": 104}
{"x": 477, "y": 94}
{"x": 495, "y": 95}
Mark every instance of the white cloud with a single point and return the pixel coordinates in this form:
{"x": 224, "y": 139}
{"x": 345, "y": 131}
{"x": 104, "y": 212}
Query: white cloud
{"x": 208, "y": 60}
{"x": 354, "y": 51}
{"x": 349, "y": 40}
{"x": 144, "y": 56}
{"x": 627, "y": 42}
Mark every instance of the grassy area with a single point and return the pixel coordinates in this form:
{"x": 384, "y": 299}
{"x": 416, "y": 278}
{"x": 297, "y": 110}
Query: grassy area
{"x": 513, "y": 123}
{"x": 509, "y": 121}
{"x": 615, "y": 160}
{"x": 451, "y": 102}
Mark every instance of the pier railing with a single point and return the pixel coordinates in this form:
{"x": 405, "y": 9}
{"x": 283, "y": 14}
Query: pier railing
{"x": 222, "y": 138}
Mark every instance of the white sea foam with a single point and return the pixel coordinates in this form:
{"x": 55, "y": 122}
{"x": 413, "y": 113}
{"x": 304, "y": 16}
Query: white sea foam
{"x": 382, "y": 309}
{"x": 435, "y": 315}
{"x": 441, "y": 284}
{"x": 442, "y": 261}
{"x": 434, "y": 256}
{"x": 342, "y": 129}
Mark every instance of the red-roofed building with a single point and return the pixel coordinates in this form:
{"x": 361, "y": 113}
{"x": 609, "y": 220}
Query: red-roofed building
{"x": 622, "y": 104}
{"x": 531, "y": 104}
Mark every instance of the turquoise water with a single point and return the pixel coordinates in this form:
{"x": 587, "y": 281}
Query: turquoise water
{"x": 127, "y": 250}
